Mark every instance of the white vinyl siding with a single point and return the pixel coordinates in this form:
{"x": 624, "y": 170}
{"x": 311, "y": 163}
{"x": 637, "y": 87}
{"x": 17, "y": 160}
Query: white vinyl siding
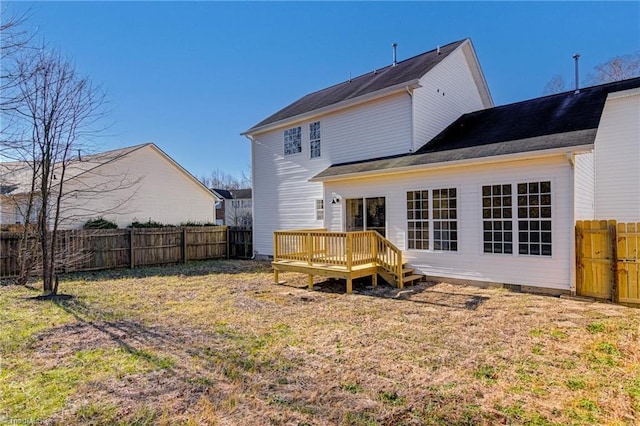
{"x": 284, "y": 198}
{"x": 617, "y": 156}
{"x": 470, "y": 262}
{"x": 142, "y": 185}
{"x": 584, "y": 182}
{"x": 447, "y": 92}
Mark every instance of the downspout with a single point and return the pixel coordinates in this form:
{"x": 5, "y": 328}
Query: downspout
{"x": 410, "y": 93}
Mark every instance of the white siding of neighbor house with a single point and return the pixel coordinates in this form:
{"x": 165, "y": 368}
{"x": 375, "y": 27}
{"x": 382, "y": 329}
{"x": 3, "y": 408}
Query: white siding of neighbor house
{"x": 617, "y": 158}
{"x": 283, "y": 196}
{"x": 470, "y": 262}
{"x": 584, "y": 176}
{"x": 142, "y": 185}
{"x": 448, "y": 91}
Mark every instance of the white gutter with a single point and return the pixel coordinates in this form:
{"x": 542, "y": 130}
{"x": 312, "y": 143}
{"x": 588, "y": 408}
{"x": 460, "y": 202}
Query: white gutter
{"x": 413, "y": 84}
{"x": 564, "y": 151}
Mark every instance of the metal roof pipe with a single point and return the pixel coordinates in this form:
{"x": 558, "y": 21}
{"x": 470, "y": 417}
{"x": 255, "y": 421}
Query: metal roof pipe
{"x": 576, "y": 56}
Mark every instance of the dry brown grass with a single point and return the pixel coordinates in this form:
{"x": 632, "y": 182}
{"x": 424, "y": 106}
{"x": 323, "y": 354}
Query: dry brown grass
{"x": 218, "y": 343}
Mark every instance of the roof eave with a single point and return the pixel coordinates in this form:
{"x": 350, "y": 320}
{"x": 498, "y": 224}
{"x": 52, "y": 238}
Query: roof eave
{"x": 553, "y": 152}
{"x": 411, "y": 84}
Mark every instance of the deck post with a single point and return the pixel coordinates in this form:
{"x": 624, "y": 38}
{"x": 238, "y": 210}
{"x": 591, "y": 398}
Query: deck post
{"x": 400, "y": 273}
{"x": 310, "y": 282}
{"x": 374, "y": 279}
{"x": 349, "y": 285}
{"x": 349, "y": 251}
{"x": 309, "y": 249}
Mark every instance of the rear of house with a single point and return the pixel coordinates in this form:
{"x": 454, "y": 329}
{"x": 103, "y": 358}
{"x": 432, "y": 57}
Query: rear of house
{"x": 467, "y": 191}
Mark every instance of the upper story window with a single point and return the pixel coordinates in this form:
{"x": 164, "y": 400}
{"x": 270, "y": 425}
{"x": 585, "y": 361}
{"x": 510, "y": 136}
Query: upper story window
{"x": 293, "y": 141}
{"x": 314, "y": 139}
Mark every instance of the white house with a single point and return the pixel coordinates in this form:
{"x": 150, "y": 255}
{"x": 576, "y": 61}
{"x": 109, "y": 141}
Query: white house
{"x": 137, "y": 183}
{"x": 466, "y": 190}
{"x": 233, "y": 207}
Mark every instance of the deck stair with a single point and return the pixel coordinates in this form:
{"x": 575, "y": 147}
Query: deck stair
{"x": 346, "y": 255}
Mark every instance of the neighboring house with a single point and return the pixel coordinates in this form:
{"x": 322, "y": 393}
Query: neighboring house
{"x": 486, "y": 196}
{"x": 234, "y": 207}
{"x": 137, "y": 183}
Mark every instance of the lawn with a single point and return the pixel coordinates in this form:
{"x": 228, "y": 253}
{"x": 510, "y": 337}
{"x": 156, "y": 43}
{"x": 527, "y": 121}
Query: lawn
{"x": 218, "y": 343}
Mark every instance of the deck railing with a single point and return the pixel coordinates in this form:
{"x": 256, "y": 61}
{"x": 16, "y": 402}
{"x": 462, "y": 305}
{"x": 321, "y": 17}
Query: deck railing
{"x": 343, "y": 249}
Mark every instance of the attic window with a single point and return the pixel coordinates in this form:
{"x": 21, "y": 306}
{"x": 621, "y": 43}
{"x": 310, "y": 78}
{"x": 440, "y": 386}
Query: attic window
{"x": 293, "y": 141}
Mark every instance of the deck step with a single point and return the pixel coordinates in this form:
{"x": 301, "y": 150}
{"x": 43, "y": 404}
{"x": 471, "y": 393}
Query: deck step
{"x": 411, "y": 278}
{"x": 407, "y": 271}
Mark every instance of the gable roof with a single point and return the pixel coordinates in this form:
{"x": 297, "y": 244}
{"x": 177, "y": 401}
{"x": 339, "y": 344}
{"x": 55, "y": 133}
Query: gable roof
{"x": 15, "y": 177}
{"x": 403, "y": 72}
{"x": 562, "y": 120}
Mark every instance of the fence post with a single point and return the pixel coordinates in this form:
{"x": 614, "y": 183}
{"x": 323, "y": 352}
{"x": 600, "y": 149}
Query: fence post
{"x": 184, "y": 244}
{"x": 131, "y": 249}
{"x": 613, "y": 235}
{"x": 228, "y": 232}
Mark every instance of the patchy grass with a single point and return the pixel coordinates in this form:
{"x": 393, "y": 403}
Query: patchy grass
{"x": 218, "y": 343}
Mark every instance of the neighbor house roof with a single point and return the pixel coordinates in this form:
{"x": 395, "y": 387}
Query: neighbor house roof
{"x": 15, "y": 177}
{"x": 558, "y": 121}
{"x": 405, "y": 71}
{"x": 232, "y": 193}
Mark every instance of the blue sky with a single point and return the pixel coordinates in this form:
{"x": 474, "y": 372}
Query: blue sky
{"x": 190, "y": 76}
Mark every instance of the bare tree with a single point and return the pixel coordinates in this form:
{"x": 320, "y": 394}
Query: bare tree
{"x": 57, "y": 113}
{"x": 615, "y": 69}
{"x": 218, "y": 179}
{"x": 555, "y": 85}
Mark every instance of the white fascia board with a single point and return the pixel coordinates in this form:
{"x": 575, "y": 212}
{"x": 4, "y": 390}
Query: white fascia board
{"x": 529, "y": 155}
{"x": 402, "y": 87}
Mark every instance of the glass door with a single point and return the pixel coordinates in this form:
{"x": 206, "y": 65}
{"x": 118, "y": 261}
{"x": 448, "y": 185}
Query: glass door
{"x": 366, "y": 214}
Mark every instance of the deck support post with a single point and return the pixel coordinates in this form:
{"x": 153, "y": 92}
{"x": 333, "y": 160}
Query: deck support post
{"x": 310, "y": 282}
{"x": 374, "y": 280}
{"x": 349, "y": 285}
{"x": 275, "y": 276}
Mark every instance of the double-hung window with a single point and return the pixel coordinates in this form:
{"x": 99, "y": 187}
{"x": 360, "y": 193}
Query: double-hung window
{"x": 532, "y": 205}
{"x": 314, "y": 139}
{"x": 319, "y": 209}
{"x": 434, "y": 223}
{"x": 292, "y": 141}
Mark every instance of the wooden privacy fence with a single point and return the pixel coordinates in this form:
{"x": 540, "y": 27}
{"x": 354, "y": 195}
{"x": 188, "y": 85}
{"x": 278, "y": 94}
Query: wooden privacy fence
{"x": 240, "y": 242}
{"x": 89, "y": 250}
{"x": 607, "y": 258}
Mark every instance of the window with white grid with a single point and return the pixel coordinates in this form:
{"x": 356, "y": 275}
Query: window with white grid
{"x": 418, "y": 220}
{"x": 497, "y": 219}
{"x": 534, "y": 218}
{"x": 319, "y": 209}
{"x": 292, "y": 141}
{"x": 445, "y": 219}
{"x": 314, "y": 139}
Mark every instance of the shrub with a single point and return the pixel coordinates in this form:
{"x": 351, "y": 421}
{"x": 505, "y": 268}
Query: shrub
{"x": 149, "y": 224}
{"x": 99, "y": 223}
{"x": 192, "y": 223}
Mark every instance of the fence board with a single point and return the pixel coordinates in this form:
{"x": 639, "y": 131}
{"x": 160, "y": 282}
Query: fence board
{"x": 594, "y": 274}
{"x": 628, "y": 264}
{"x": 90, "y": 250}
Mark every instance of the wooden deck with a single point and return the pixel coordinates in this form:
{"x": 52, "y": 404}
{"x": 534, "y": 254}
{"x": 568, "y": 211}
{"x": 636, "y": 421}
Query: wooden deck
{"x": 344, "y": 255}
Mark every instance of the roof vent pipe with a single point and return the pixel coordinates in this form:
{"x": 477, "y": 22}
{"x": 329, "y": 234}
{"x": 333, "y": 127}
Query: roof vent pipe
{"x": 576, "y": 56}
{"x": 438, "y": 49}
{"x": 395, "y": 54}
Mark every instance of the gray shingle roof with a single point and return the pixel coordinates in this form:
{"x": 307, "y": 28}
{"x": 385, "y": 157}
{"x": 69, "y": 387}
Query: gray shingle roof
{"x": 557, "y": 121}
{"x": 389, "y": 76}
